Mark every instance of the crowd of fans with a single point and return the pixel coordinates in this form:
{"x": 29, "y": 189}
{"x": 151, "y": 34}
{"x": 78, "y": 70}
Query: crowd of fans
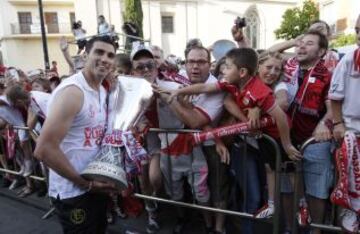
{"x": 307, "y": 93}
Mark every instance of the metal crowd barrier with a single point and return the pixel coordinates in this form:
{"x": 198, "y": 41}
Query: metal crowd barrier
{"x": 33, "y": 134}
{"x": 277, "y": 202}
{"x": 298, "y": 173}
{"x": 276, "y": 216}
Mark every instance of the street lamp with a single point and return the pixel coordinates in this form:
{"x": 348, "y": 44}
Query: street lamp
{"x": 43, "y": 37}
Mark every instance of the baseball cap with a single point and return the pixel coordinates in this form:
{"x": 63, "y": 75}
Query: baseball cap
{"x": 140, "y": 49}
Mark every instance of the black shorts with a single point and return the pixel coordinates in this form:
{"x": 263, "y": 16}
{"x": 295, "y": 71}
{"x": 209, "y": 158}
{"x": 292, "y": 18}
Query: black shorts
{"x": 81, "y": 44}
{"x": 268, "y": 155}
{"x": 83, "y": 214}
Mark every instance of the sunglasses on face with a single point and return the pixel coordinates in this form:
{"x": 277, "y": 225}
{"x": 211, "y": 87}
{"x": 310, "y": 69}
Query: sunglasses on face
{"x": 142, "y": 66}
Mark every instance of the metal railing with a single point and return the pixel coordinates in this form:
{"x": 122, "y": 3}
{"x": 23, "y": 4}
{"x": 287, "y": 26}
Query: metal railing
{"x": 276, "y": 217}
{"x": 35, "y": 28}
{"x": 297, "y": 178}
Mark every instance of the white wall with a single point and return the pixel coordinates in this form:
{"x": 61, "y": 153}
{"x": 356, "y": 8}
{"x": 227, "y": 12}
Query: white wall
{"x": 209, "y": 21}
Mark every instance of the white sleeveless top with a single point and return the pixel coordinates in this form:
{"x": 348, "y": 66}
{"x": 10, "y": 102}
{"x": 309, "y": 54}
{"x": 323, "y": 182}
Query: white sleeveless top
{"x": 82, "y": 142}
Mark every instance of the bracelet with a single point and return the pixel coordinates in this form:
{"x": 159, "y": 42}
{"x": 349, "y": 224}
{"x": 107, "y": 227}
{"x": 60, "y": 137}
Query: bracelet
{"x": 337, "y": 123}
{"x": 90, "y": 186}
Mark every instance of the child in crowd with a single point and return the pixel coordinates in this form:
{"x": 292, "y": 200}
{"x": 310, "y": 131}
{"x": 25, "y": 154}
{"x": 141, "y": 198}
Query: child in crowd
{"x": 249, "y": 91}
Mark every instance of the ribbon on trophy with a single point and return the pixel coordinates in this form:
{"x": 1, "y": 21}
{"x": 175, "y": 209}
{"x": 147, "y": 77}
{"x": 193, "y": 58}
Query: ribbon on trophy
{"x": 347, "y": 190}
{"x": 129, "y": 100}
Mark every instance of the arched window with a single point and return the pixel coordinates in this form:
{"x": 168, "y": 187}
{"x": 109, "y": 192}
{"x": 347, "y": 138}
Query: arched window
{"x": 252, "y": 29}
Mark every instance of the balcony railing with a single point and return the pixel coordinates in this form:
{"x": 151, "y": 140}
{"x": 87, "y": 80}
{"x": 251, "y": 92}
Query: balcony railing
{"x": 35, "y": 28}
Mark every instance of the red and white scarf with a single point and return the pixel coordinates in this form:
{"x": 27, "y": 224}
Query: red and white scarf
{"x": 347, "y": 191}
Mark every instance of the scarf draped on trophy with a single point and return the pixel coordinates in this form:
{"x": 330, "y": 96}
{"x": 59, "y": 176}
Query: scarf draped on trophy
{"x": 347, "y": 191}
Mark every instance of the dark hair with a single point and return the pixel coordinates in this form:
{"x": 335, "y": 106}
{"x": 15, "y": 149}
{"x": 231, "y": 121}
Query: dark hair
{"x": 244, "y": 58}
{"x": 218, "y": 66}
{"x": 123, "y": 61}
{"x": 15, "y": 93}
{"x": 323, "y": 41}
{"x": 105, "y": 39}
{"x": 101, "y": 16}
{"x": 44, "y": 83}
{"x": 196, "y": 47}
{"x": 195, "y": 42}
{"x": 323, "y": 22}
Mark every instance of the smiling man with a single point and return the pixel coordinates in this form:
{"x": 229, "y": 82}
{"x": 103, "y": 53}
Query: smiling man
{"x": 71, "y": 138}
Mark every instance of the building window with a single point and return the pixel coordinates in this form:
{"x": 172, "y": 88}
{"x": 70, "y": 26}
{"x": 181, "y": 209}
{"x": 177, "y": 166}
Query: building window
{"x": 25, "y": 22}
{"x": 51, "y": 21}
{"x": 252, "y": 28}
{"x": 167, "y": 24}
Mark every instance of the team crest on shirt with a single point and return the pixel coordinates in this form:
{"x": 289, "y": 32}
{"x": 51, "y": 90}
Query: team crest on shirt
{"x": 77, "y": 216}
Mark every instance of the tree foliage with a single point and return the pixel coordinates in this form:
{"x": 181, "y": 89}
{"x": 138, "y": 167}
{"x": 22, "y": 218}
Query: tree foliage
{"x": 343, "y": 40}
{"x": 133, "y": 13}
{"x": 297, "y": 20}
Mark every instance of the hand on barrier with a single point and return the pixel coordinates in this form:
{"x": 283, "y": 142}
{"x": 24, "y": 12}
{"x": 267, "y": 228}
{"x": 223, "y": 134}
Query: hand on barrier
{"x": 254, "y": 117}
{"x": 339, "y": 131}
{"x": 322, "y": 132}
{"x": 293, "y": 153}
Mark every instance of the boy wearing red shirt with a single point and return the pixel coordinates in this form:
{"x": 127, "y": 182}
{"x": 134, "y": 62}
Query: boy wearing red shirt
{"x": 248, "y": 92}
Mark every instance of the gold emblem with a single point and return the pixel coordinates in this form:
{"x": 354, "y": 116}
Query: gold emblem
{"x": 77, "y": 216}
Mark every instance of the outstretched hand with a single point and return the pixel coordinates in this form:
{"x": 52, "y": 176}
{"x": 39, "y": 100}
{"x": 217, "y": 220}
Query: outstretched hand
{"x": 63, "y": 44}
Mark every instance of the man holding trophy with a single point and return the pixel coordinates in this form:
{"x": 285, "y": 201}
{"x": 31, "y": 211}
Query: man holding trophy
{"x": 71, "y": 138}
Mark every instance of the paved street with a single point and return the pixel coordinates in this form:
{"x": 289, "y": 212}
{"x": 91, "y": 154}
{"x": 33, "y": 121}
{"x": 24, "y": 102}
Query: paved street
{"x": 23, "y": 216}
{"x": 20, "y": 218}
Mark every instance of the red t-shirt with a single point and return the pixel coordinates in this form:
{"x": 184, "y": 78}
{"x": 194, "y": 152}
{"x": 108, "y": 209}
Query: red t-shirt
{"x": 254, "y": 94}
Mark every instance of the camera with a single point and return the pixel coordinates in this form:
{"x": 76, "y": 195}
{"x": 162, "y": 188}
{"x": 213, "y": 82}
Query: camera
{"x": 76, "y": 25}
{"x": 240, "y": 22}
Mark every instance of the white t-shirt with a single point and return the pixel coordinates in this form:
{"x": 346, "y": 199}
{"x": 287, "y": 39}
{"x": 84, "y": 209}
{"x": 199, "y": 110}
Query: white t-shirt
{"x": 211, "y": 105}
{"x": 104, "y": 28}
{"x": 79, "y": 34}
{"x": 82, "y": 141}
{"x": 39, "y": 102}
{"x": 345, "y": 86}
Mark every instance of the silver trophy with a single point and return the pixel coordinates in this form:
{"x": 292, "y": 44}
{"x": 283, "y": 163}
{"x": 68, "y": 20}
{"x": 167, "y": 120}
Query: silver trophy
{"x": 128, "y": 102}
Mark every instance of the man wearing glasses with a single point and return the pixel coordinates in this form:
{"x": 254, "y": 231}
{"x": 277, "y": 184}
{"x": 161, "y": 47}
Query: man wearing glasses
{"x": 177, "y": 161}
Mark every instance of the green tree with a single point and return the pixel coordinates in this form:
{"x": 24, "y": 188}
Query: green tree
{"x": 133, "y": 13}
{"x": 343, "y": 40}
{"x": 297, "y": 20}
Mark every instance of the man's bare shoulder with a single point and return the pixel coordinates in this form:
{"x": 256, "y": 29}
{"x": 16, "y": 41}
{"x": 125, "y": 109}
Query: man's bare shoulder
{"x": 69, "y": 98}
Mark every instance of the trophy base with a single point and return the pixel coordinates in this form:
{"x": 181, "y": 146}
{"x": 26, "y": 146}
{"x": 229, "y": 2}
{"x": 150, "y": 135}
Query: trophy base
{"x": 105, "y": 172}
